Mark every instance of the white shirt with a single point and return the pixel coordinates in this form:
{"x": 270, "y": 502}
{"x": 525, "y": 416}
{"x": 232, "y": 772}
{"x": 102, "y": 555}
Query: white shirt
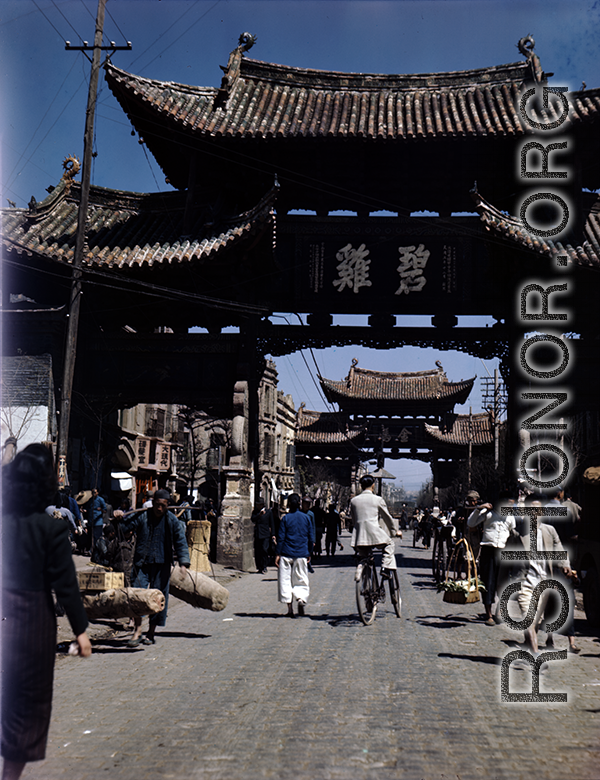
{"x": 496, "y": 529}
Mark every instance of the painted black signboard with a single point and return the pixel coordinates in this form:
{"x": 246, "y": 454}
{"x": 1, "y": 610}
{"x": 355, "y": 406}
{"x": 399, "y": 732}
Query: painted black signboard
{"x": 392, "y": 265}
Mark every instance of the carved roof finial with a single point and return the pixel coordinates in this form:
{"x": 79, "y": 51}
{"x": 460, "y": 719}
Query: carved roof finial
{"x": 526, "y": 46}
{"x": 354, "y": 362}
{"x": 246, "y": 41}
{"x": 71, "y": 166}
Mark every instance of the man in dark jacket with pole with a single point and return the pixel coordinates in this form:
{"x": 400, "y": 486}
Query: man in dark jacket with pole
{"x": 157, "y": 532}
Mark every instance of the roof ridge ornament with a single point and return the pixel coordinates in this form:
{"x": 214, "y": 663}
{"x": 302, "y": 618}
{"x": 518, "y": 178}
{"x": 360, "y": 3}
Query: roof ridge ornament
{"x": 246, "y": 41}
{"x": 71, "y": 167}
{"x": 232, "y": 70}
{"x": 350, "y": 377}
{"x": 526, "y": 46}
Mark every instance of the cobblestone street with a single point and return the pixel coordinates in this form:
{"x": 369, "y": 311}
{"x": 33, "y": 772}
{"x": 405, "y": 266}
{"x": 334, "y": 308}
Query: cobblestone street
{"x": 248, "y": 693}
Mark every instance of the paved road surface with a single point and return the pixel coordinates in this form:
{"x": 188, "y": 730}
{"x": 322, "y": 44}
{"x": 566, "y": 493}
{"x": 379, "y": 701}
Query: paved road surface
{"x": 249, "y": 693}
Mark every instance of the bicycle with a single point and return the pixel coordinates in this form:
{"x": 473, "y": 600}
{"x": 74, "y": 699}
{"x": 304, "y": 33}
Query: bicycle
{"x": 369, "y": 593}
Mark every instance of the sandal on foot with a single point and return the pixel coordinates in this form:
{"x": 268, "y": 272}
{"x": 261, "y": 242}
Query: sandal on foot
{"x": 134, "y": 642}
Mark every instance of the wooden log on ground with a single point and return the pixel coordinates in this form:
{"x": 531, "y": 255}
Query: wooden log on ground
{"x": 197, "y": 589}
{"x": 124, "y": 602}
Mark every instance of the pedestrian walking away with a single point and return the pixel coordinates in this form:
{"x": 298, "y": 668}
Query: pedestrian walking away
{"x": 536, "y": 571}
{"x": 294, "y": 547}
{"x": 157, "y": 531}
{"x": 264, "y": 533}
{"x": 333, "y": 527}
{"x": 306, "y": 508}
{"x": 320, "y": 515}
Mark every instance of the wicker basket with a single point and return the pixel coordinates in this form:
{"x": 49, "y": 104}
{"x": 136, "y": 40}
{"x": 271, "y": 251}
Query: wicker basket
{"x": 463, "y": 596}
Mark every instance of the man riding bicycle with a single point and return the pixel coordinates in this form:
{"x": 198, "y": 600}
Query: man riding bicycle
{"x": 373, "y": 525}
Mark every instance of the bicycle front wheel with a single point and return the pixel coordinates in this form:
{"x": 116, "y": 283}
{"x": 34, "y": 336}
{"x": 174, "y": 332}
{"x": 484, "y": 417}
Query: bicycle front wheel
{"x": 366, "y": 595}
{"x": 395, "y": 597}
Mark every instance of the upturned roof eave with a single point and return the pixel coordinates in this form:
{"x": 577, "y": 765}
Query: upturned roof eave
{"x": 512, "y": 230}
{"x": 19, "y": 229}
{"x": 336, "y": 391}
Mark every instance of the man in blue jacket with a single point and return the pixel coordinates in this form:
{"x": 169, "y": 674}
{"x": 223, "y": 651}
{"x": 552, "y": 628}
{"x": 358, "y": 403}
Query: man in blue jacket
{"x": 295, "y": 541}
{"x": 157, "y": 531}
{"x": 95, "y": 508}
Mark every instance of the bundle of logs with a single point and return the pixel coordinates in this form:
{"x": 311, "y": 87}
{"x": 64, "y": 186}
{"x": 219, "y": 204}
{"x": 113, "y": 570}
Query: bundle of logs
{"x": 190, "y": 586}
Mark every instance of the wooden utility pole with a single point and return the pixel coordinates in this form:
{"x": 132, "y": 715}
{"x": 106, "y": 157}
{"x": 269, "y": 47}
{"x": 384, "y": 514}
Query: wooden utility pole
{"x": 469, "y": 463}
{"x": 75, "y": 298}
{"x": 496, "y": 419}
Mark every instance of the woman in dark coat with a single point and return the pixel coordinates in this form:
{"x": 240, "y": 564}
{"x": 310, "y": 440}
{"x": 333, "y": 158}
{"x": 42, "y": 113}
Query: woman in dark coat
{"x": 36, "y": 560}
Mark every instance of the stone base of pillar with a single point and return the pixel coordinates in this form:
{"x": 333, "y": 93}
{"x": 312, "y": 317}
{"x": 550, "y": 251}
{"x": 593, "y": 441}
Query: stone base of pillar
{"x": 235, "y": 533}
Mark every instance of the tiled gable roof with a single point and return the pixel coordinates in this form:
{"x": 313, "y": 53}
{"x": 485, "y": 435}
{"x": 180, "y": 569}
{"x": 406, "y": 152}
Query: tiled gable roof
{"x": 479, "y": 426}
{"x": 421, "y": 386}
{"x": 126, "y": 228}
{"x": 325, "y": 428}
{"x": 265, "y": 100}
{"x": 512, "y": 229}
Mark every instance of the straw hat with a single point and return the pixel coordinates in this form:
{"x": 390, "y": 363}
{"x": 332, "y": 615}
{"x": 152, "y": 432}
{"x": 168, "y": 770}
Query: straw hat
{"x": 83, "y": 497}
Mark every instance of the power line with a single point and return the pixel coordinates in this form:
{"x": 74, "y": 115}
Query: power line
{"x": 160, "y": 53}
{"x": 73, "y": 95}
{"x": 163, "y": 33}
{"x": 67, "y": 21}
{"x": 122, "y": 284}
{"x": 9, "y": 179}
{"x": 62, "y": 37}
{"x": 88, "y": 10}
{"x": 116, "y": 25}
{"x": 334, "y": 414}
{"x": 293, "y": 378}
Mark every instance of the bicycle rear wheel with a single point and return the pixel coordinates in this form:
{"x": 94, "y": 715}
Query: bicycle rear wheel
{"x": 395, "y": 597}
{"x": 366, "y": 595}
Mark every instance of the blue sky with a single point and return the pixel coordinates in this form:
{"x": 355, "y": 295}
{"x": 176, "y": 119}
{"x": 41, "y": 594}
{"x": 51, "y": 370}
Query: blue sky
{"x": 44, "y": 92}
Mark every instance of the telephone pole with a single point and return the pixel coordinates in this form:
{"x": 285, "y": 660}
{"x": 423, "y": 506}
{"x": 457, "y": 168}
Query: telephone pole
{"x": 75, "y": 297}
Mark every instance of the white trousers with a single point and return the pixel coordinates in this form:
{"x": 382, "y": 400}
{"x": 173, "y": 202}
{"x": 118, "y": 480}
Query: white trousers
{"x": 524, "y": 600}
{"x": 292, "y": 579}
